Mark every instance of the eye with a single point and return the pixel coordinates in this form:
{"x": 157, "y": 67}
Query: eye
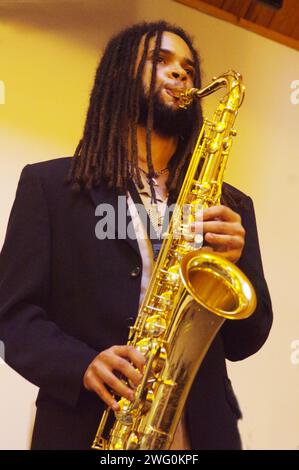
{"x": 189, "y": 72}
{"x": 161, "y": 60}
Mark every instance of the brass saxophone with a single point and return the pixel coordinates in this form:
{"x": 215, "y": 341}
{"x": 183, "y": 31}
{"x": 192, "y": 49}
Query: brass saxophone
{"x": 191, "y": 293}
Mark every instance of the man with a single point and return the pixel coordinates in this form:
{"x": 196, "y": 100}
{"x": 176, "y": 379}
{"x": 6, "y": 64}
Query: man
{"x": 67, "y": 297}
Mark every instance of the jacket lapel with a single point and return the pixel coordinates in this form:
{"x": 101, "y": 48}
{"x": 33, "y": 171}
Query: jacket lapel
{"x": 122, "y": 218}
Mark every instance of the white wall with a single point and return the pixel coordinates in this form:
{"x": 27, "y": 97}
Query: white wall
{"x": 61, "y": 50}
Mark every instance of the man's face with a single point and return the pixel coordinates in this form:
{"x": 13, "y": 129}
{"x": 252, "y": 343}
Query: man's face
{"x": 175, "y": 69}
{"x": 175, "y": 73}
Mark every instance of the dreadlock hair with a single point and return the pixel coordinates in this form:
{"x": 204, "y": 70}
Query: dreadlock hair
{"x": 110, "y": 132}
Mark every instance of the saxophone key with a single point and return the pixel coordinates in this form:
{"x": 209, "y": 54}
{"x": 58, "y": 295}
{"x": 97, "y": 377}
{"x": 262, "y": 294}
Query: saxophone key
{"x": 155, "y": 325}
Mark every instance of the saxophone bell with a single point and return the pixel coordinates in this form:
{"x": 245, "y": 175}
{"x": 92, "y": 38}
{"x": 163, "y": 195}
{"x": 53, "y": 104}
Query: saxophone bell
{"x": 217, "y": 284}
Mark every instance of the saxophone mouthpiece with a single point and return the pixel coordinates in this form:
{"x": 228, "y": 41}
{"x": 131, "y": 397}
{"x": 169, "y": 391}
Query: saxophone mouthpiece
{"x": 186, "y": 98}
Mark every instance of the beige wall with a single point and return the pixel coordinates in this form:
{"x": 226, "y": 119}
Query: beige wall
{"x": 48, "y": 59}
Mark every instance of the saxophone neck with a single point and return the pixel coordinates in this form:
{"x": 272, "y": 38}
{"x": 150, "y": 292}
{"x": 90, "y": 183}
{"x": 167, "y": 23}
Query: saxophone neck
{"x": 231, "y": 80}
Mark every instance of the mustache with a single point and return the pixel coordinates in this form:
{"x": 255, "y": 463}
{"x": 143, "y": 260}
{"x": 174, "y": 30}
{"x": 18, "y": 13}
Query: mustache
{"x": 167, "y": 121}
{"x": 175, "y": 90}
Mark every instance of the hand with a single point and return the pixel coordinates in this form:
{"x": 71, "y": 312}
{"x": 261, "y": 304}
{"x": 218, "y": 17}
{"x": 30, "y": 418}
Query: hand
{"x": 222, "y": 229}
{"x": 100, "y": 373}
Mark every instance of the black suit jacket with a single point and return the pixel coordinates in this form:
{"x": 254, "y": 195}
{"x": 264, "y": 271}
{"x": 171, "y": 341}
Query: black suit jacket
{"x": 66, "y": 295}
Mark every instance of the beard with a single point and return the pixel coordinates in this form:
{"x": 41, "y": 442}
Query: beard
{"x": 167, "y": 121}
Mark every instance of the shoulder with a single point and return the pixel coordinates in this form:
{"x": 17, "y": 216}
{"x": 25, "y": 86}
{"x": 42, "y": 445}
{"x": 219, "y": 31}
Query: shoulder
{"x": 49, "y": 169}
{"x": 235, "y": 191}
{"x": 49, "y": 175}
{"x": 237, "y": 199}
{"x": 47, "y": 178}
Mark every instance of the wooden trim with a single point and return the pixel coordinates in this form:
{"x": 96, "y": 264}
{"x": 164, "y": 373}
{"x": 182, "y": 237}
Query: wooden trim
{"x": 229, "y": 17}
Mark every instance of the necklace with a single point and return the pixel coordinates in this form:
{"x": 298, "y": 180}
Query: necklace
{"x": 154, "y": 185}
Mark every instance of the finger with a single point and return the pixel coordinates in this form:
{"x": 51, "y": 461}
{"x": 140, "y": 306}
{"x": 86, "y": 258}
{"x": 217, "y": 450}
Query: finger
{"x": 131, "y": 353}
{"x": 232, "y": 255}
{"x": 207, "y": 249}
{"x": 128, "y": 370}
{"x": 228, "y": 242}
{"x": 117, "y": 385}
{"x": 219, "y": 226}
{"x": 221, "y": 212}
{"x": 101, "y": 370}
{"x": 100, "y": 389}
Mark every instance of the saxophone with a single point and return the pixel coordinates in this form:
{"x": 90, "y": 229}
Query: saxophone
{"x": 191, "y": 293}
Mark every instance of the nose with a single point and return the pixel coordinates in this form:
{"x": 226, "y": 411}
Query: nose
{"x": 178, "y": 73}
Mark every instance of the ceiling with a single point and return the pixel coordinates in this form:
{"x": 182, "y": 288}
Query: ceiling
{"x": 280, "y": 25}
